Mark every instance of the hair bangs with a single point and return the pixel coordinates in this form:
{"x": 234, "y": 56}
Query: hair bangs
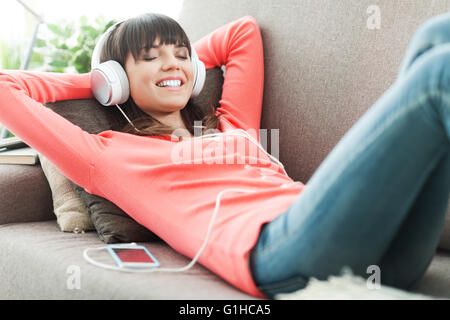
{"x": 142, "y": 32}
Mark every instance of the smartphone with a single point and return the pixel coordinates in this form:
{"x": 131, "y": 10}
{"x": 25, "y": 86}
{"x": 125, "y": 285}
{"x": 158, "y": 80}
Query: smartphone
{"x": 132, "y": 256}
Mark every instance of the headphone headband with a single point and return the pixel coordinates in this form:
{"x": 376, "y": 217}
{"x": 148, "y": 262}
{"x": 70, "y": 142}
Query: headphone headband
{"x": 95, "y": 61}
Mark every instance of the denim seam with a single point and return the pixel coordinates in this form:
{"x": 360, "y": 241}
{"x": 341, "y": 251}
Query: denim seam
{"x": 363, "y": 147}
{"x": 444, "y": 97}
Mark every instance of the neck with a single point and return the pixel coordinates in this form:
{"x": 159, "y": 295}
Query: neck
{"x": 173, "y": 120}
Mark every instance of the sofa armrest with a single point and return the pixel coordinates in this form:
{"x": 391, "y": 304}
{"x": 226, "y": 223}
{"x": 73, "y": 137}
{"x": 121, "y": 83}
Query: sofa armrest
{"x": 25, "y": 195}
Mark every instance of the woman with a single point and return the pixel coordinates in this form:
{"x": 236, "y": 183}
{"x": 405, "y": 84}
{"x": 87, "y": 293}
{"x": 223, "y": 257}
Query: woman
{"x": 379, "y": 198}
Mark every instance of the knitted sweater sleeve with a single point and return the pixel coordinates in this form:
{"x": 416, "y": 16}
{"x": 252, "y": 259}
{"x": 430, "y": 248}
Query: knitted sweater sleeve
{"x": 67, "y": 146}
{"x": 238, "y": 46}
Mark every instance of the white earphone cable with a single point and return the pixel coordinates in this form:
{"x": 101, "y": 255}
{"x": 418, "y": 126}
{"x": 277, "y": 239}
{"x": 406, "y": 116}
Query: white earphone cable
{"x": 244, "y": 134}
{"x": 127, "y": 117}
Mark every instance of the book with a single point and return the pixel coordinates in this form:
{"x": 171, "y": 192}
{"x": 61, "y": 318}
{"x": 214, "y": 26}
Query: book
{"x": 12, "y": 143}
{"x": 25, "y": 155}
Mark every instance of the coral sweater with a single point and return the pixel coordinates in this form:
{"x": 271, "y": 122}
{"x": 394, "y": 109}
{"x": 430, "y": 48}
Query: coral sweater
{"x": 156, "y": 180}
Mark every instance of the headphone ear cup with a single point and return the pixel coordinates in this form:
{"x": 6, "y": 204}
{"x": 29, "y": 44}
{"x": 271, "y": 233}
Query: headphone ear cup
{"x": 199, "y": 74}
{"x": 109, "y": 83}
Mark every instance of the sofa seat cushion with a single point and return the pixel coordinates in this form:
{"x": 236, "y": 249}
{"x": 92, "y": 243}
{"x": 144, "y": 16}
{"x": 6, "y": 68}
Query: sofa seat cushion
{"x": 436, "y": 281}
{"x": 43, "y": 263}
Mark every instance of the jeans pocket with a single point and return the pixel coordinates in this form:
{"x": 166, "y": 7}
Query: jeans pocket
{"x": 285, "y": 286}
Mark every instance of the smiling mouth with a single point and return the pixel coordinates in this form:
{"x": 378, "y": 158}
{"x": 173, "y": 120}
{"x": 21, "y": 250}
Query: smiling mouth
{"x": 170, "y": 84}
{"x": 170, "y": 87}
{"x": 176, "y": 89}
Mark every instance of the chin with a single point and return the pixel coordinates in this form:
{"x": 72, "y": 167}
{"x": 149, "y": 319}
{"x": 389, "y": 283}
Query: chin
{"x": 174, "y": 108}
{"x": 177, "y": 105}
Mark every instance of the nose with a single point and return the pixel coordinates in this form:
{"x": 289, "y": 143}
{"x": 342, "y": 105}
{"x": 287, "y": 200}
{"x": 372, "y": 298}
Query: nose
{"x": 170, "y": 62}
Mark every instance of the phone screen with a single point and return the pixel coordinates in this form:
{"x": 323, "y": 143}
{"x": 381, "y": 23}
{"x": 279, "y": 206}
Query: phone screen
{"x": 133, "y": 255}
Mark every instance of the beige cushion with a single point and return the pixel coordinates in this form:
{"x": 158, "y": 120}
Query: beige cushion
{"x": 71, "y": 213}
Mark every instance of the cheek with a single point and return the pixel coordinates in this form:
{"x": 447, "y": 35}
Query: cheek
{"x": 139, "y": 82}
{"x": 191, "y": 76}
{"x": 134, "y": 87}
{"x": 191, "y": 70}
{"x": 139, "y": 93}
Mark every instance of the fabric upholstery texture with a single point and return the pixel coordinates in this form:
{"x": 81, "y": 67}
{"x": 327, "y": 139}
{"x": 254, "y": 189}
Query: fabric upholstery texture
{"x": 25, "y": 195}
{"x": 49, "y": 268}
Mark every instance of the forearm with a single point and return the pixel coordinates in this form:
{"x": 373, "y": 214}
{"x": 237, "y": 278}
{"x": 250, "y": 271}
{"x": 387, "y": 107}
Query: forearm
{"x": 66, "y": 145}
{"x": 46, "y": 87}
{"x": 238, "y": 46}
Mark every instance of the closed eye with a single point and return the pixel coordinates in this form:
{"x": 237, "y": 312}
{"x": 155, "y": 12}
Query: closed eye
{"x": 150, "y": 59}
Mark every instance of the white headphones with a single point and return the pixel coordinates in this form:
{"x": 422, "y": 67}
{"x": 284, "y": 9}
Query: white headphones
{"x": 109, "y": 81}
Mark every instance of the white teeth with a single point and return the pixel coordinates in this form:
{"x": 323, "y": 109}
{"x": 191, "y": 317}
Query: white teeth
{"x": 169, "y": 83}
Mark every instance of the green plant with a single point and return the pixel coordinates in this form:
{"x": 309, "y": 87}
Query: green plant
{"x": 10, "y": 55}
{"x": 68, "y": 46}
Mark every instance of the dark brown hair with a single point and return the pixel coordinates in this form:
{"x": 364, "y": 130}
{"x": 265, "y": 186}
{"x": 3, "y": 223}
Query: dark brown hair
{"x": 130, "y": 37}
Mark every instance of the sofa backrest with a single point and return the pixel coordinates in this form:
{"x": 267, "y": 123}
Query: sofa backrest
{"x": 325, "y": 63}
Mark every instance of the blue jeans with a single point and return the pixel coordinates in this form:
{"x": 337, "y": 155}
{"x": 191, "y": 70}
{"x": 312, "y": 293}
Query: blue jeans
{"x": 380, "y": 197}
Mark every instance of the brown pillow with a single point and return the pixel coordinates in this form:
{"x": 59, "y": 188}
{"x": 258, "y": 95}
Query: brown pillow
{"x": 112, "y": 223}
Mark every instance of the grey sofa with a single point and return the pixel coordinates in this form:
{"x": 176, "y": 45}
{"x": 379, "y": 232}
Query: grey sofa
{"x": 324, "y": 67}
